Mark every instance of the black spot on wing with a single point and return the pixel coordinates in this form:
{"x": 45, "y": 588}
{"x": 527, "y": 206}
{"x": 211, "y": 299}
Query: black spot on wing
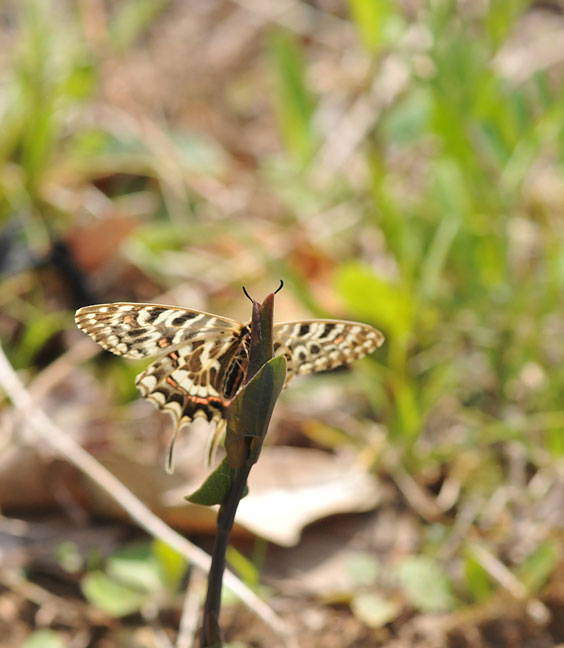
{"x": 154, "y": 313}
{"x": 175, "y": 397}
{"x": 208, "y": 412}
{"x": 304, "y": 329}
{"x": 326, "y": 330}
{"x": 141, "y": 340}
{"x": 184, "y": 317}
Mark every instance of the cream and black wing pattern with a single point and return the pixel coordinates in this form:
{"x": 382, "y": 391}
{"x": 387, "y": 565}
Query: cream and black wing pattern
{"x": 321, "y": 345}
{"x": 201, "y": 359}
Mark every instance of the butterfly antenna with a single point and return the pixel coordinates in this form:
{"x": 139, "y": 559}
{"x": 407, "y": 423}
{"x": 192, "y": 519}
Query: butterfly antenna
{"x": 274, "y": 293}
{"x": 248, "y": 296}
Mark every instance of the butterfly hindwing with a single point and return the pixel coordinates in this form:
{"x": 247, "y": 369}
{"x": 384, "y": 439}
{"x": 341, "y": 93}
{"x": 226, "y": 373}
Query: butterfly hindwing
{"x": 187, "y": 382}
{"x": 320, "y": 345}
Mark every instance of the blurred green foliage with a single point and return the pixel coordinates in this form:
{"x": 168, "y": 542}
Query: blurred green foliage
{"x": 52, "y": 73}
{"x": 293, "y": 100}
{"x": 44, "y": 639}
{"x": 135, "y": 576}
{"x": 472, "y": 306}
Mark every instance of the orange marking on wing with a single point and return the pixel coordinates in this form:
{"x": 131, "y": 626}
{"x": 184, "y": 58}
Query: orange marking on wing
{"x": 174, "y": 384}
{"x": 199, "y": 400}
{"x": 209, "y": 400}
{"x": 339, "y": 339}
{"x": 164, "y": 342}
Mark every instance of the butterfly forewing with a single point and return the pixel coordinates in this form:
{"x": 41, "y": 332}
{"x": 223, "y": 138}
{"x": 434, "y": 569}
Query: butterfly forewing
{"x": 320, "y": 345}
{"x": 144, "y": 330}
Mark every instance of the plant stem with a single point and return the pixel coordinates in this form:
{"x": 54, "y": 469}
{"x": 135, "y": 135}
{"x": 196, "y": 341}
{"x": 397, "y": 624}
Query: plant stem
{"x": 248, "y": 416}
{"x": 225, "y": 519}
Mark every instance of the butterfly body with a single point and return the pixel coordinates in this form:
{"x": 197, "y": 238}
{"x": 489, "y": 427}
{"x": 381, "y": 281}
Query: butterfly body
{"x": 202, "y": 359}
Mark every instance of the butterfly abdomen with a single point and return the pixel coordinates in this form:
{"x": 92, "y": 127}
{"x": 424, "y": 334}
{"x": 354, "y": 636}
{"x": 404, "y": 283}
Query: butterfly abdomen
{"x": 235, "y": 363}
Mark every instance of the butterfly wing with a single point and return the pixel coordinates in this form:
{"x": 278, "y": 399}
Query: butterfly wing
{"x": 186, "y": 379}
{"x": 320, "y": 345}
{"x": 144, "y": 330}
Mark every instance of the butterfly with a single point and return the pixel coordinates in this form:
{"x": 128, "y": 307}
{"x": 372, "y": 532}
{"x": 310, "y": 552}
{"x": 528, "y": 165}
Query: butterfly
{"x": 201, "y": 358}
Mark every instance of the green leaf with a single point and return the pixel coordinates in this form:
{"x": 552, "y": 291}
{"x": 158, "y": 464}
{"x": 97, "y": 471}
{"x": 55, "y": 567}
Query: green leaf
{"x": 374, "y": 610}
{"x": 539, "y": 565}
{"x": 363, "y": 568}
{"x": 377, "y": 21}
{"x": 120, "y": 378}
{"x": 214, "y": 489}
{"x": 294, "y": 104}
{"x": 111, "y": 597}
{"x": 135, "y": 566}
{"x": 38, "y": 331}
{"x": 425, "y": 584}
{"x": 244, "y": 568}
{"x": 501, "y": 16}
{"x": 436, "y": 257}
{"x": 408, "y": 120}
{"x": 554, "y": 441}
{"x": 67, "y": 555}
{"x": 450, "y": 189}
{"x": 132, "y": 19}
{"x": 373, "y": 299}
{"x": 44, "y": 639}
{"x": 407, "y": 422}
{"x": 172, "y": 565}
{"x": 478, "y": 580}
{"x": 250, "y": 411}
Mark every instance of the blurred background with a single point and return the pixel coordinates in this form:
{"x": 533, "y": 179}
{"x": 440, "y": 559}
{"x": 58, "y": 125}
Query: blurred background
{"x": 398, "y": 163}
